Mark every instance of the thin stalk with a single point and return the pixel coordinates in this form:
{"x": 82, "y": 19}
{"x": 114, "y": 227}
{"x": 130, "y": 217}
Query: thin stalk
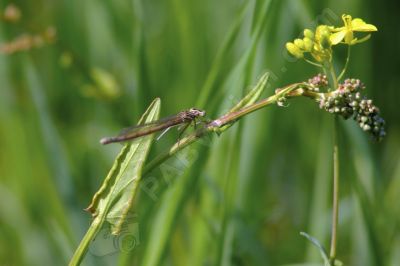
{"x": 333, "y": 76}
{"x": 313, "y": 63}
{"x": 345, "y": 65}
{"x": 180, "y": 145}
{"x": 85, "y": 242}
{"x": 219, "y": 125}
{"x": 233, "y": 116}
{"x": 335, "y": 206}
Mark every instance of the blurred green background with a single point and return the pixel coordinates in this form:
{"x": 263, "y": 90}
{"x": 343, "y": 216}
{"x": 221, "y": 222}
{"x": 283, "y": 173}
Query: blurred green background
{"x": 74, "y": 71}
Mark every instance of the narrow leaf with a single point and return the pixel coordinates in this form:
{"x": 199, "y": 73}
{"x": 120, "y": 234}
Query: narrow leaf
{"x": 321, "y": 249}
{"x": 114, "y": 198}
{"x": 251, "y": 97}
{"x": 254, "y": 94}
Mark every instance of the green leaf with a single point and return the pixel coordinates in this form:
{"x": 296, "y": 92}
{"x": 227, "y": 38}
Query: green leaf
{"x": 321, "y": 249}
{"x": 253, "y": 95}
{"x": 114, "y": 198}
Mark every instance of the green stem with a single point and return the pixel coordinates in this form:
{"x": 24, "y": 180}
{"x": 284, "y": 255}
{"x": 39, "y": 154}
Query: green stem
{"x": 346, "y": 64}
{"x": 85, "y": 242}
{"x": 221, "y": 124}
{"x": 312, "y": 63}
{"x": 292, "y": 90}
{"x": 180, "y": 145}
{"x": 333, "y": 76}
{"x": 335, "y": 206}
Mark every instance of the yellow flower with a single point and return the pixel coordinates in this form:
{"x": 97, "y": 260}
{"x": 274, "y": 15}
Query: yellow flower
{"x": 350, "y": 26}
{"x": 322, "y": 36}
{"x": 321, "y": 49}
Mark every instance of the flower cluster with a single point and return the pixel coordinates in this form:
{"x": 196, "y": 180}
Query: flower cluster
{"x": 317, "y": 82}
{"x": 319, "y": 44}
{"x": 316, "y": 48}
{"x": 347, "y": 101}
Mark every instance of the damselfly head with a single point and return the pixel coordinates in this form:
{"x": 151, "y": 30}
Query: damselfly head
{"x": 197, "y": 112}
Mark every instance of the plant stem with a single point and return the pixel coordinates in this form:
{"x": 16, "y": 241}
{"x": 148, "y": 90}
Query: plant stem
{"x": 85, "y": 242}
{"x": 345, "y": 65}
{"x": 335, "y": 206}
{"x": 288, "y": 91}
{"x": 333, "y": 76}
{"x": 180, "y": 145}
{"x": 222, "y": 123}
{"x": 313, "y": 63}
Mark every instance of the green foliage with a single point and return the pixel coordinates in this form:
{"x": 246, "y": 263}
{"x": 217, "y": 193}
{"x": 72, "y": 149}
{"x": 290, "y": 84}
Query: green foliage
{"x": 113, "y": 201}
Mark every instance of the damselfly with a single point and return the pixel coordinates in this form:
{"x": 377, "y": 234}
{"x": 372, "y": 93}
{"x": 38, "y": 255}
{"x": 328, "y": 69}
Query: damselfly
{"x": 185, "y": 117}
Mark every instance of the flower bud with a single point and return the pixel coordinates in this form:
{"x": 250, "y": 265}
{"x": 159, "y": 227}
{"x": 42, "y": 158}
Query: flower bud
{"x": 294, "y": 50}
{"x": 364, "y": 119}
{"x": 322, "y": 36}
{"x": 308, "y": 33}
{"x": 299, "y": 43}
{"x": 366, "y": 127}
{"x": 308, "y": 44}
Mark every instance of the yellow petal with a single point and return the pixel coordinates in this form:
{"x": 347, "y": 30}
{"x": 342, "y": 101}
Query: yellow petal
{"x": 355, "y": 40}
{"x": 338, "y": 29}
{"x": 308, "y": 44}
{"x": 347, "y": 20}
{"x": 359, "y": 25}
{"x": 337, "y": 37}
{"x": 309, "y": 34}
{"x": 299, "y": 43}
